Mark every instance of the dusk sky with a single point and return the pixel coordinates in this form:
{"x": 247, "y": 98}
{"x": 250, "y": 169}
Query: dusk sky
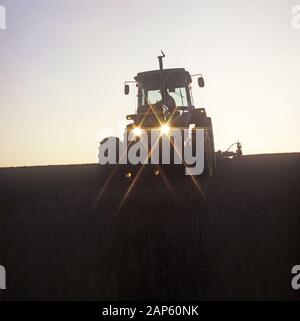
{"x": 63, "y": 64}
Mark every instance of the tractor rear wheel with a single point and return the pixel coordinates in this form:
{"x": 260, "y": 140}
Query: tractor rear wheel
{"x": 209, "y": 162}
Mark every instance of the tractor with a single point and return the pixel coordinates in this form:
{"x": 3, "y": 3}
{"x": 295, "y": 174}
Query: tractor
{"x": 165, "y": 103}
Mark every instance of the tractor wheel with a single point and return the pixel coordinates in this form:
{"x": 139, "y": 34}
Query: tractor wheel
{"x": 209, "y": 160}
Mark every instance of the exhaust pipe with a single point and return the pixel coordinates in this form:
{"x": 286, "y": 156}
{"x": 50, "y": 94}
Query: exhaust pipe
{"x": 162, "y": 82}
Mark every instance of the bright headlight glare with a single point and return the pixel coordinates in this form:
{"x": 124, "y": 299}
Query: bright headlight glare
{"x": 165, "y": 129}
{"x": 137, "y": 131}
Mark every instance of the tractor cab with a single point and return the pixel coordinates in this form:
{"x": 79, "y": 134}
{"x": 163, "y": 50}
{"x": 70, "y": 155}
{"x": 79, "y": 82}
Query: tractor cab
{"x": 173, "y": 91}
{"x": 164, "y": 95}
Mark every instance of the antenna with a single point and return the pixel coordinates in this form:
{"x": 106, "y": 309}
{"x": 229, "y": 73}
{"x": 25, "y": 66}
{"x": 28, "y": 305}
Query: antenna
{"x": 160, "y": 60}
{"x": 162, "y": 81}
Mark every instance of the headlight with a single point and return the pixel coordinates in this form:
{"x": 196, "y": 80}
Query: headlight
{"x": 137, "y": 131}
{"x": 165, "y": 129}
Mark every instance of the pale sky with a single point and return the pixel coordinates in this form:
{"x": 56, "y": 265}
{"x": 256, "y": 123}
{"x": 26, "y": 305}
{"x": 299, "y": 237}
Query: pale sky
{"x": 63, "y": 64}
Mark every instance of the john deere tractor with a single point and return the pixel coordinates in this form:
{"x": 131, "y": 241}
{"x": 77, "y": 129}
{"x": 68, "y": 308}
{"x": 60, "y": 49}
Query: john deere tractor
{"x": 165, "y": 104}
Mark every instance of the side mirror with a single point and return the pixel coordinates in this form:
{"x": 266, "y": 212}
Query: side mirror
{"x": 126, "y": 89}
{"x": 201, "y": 82}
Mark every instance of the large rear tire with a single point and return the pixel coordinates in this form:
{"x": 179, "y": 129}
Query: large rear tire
{"x": 209, "y": 158}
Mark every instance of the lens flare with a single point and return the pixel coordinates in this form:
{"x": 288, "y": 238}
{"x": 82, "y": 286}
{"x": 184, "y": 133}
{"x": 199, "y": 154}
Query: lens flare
{"x": 137, "y": 131}
{"x": 165, "y": 129}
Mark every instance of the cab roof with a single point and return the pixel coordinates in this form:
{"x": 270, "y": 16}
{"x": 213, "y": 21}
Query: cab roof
{"x": 152, "y": 77}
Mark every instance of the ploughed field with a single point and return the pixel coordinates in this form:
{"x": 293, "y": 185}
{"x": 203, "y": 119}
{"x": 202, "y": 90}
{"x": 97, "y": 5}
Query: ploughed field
{"x": 236, "y": 236}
